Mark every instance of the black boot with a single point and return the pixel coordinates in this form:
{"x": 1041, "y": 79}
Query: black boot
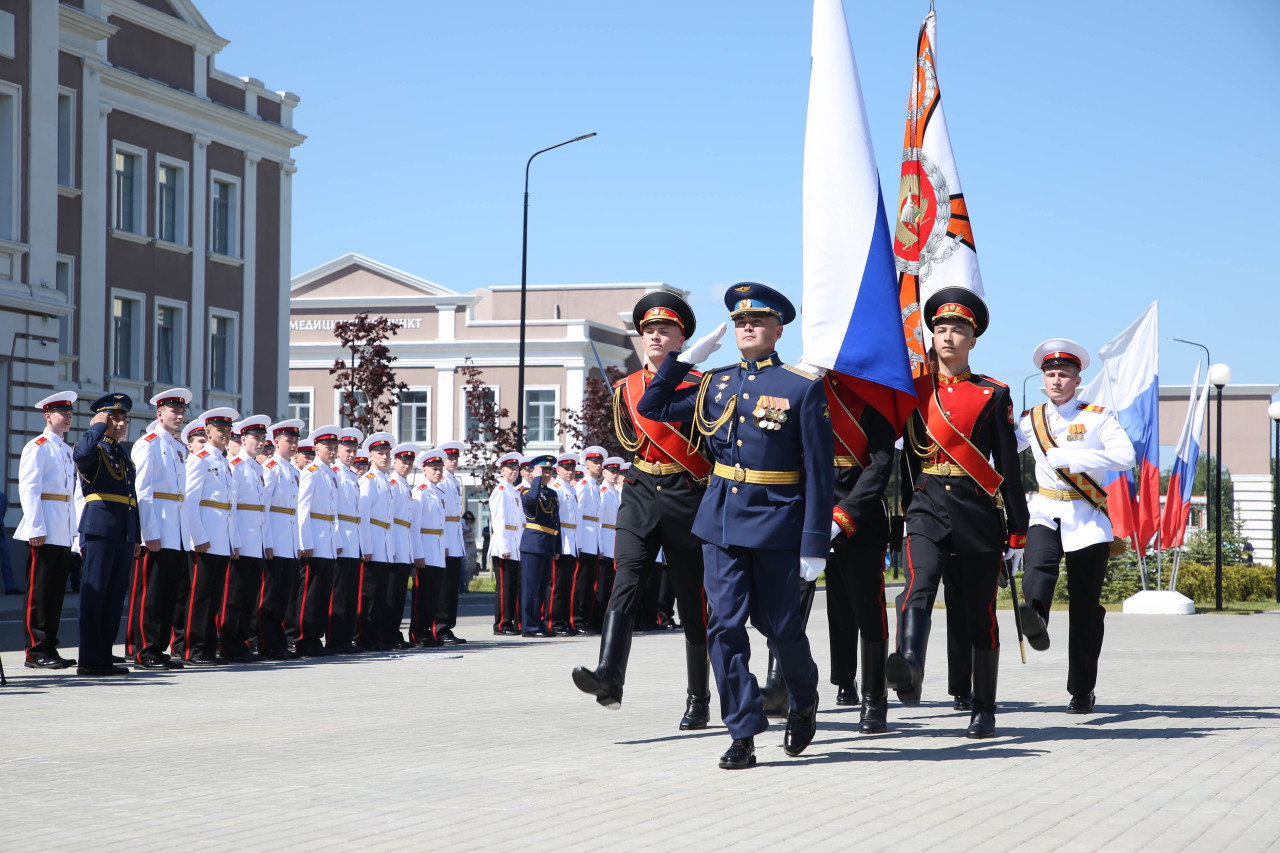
{"x": 986, "y": 665}
{"x": 697, "y": 712}
{"x": 605, "y": 681}
{"x": 801, "y": 726}
{"x": 905, "y": 667}
{"x": 774, "y": 692}
{"x": 875, "y": 697}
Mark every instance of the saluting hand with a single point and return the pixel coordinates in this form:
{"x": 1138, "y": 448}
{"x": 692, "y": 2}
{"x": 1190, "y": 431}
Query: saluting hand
{"x": 704, "y": 346}
{"x": 99, "y": 418}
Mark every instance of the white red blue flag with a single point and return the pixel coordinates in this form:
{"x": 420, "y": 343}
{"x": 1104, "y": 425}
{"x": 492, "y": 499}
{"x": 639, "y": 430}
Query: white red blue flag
{"x": 1177, "y": 501}
{"x": 851, "y": 321}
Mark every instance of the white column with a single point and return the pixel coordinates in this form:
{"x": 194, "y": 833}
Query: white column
{"x": 200, "y": 56}
{"x": 446, "y": 317}
{"x": 446, "y": 404}
{"x": 199, "y": 263}
{"x": 42, "y": 159}
{"x": 91, "y": 295}
{"x": 286, "y": 248}
{"x": 249, "y": 271}
{"x": 575, "y": 378}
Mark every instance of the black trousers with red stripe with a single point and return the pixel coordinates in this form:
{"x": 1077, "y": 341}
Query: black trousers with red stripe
{"x": 47, "y": 570}
{"x": 239, "y": 599}
{"x": 560, "y": 596}
{"x": 855, "y": 603}
{"x": 158, "y": 577}
{"x": 397, "y": 595}
{"x": 426, "y": 595}
{"x": 315, "y": 590}
{"x": 584, "y": 586}
{"x": 208, "y": 582}
{"x": 344, "y": 604}
{"x": 375, "y": 577}
{"x": 506, "y": 593}
{"x": 605, "y": 572}
{"x": 278, "y": 576}
{"x": 447, "y": 606}
{"x": 971, "y": 576}
{"x": 634, "y": 557}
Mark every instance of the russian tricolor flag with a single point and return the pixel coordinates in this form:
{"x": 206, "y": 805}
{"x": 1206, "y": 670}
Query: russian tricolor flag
{"x": 852, "y": 321}
{"x": 1177, "y": 502}
{"x": 1130, "y": 384}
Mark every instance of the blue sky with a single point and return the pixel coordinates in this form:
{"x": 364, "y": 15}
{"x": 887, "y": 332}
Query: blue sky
{"x": 1112, "y": 153}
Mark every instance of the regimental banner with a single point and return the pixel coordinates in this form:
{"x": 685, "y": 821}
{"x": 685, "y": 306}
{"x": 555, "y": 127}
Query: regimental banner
{"x": 933, "y": 240}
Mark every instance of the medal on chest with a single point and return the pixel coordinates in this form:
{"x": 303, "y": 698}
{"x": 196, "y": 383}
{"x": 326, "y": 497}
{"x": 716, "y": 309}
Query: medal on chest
{"x": 771, "y": 412}
{"x": 1075, "y": 432}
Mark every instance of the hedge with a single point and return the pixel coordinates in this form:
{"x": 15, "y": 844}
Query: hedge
{"x": 1195, "y": 581}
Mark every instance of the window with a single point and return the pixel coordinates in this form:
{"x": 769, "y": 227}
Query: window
{"x": 224, "y": 215}
{"x": 66, "y": 138}
{"x": 64, "y": 282}
{"x": 9, "y": 106}
{"x": 415, "y": 416}
{"x": 540, "y": 415}
{"x": 222, "y": 352}
{"x": 127, "y": 188}
{"x": 170, "y": 342}
{"x": 300, "y": 406}
{"x": 126, "y": 335}
{"x": 488, "y": 399}
{"x": 171, "y": 200}
{"x": 362, "y": 403}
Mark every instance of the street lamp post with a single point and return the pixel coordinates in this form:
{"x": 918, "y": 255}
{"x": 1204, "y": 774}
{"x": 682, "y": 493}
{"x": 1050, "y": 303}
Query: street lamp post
{"x": 1219, "y": 375}
{"x": 524, "y": 265}
{"x": 1274, "y": 411}
{"x": 1024, "y": 388}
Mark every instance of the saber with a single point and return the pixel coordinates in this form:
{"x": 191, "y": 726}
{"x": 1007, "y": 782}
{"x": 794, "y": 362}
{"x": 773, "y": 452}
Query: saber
{"x": 1013, "y": 594}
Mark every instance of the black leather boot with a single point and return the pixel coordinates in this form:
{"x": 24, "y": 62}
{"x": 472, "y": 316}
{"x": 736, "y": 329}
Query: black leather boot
{"x": 697, "y": 712}
{"x": 986, "y": 666}
{"x": 605, "y": 681}
{"x": 774, "y": 692}
{"x": 801, "y": 727}
{"x": 904, "y": 669}
{"x": 875, "y": 696}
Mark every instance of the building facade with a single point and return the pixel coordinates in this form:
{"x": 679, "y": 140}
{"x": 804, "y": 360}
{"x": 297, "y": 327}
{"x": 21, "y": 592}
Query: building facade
{"x": 144, "y": 212}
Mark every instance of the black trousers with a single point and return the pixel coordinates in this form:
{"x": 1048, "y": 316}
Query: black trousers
{"x": 447, "y": 606}
{"x": 239, "y": 599}
{"x": 426, "y": 594}
{"x": 313, "y": 603}
{"x": 208, "y": 581}
{"x": 560, "y": 596}
{"x": 603, "y": 590}
{"x": 344, "y": 603}
{"x": 178, "y": 633}
{"x": 584, "y": 585}
{"x": 1086, "y": 572}
{"x": 959, "y": 656}
{"x": 972, "y": 577}
{"x": 855, "y": 604}
{"x": 375, "y": 577}
{"x": 634, "y": 559}
{"x": 397, "y": 593}
{"x": 278, "y": 575}
{"x": 102, "y": 592}
{"x": 506, "y": 593}
{"x": 47, "y": 570}
{"x": 157, "y": 580}
{"x": 293, "y": 600}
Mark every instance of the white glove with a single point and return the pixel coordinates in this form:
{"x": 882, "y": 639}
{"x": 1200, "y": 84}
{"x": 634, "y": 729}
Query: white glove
{"x": 836, "y": 530}
{"x": 804, "y": 365}
{"x": 703, "y": 346}
{"x": 811, "y": 567}
{"x": 1058, "y": 458}
{"x": 1014, "y": 558}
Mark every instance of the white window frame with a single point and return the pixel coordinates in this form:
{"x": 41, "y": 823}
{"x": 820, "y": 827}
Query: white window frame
{"x": 337, "y": 405}
{"x": 68, "y": 320}
{"x": 462, "y": 405}
{"x": 14, "y": 167}
{"x": 139, "y": 188}
{"x": 555, "y": 409}
{"x": 233, "y": 214}
{"x": 233, "y": 350}
{"x": 139, "y": 340}
{"x": 311, "y": 408}
{"x": 63, "y": 91}
{"x": 180, "y": 356}
{"x": 183, "y": 236}
{"x": 417, "y": 388}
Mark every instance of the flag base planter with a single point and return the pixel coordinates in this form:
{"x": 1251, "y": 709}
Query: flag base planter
{"x": 1153, "y": 602}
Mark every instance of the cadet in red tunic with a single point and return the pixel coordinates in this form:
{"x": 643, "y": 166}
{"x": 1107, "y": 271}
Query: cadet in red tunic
{"x": 963, "y": 514}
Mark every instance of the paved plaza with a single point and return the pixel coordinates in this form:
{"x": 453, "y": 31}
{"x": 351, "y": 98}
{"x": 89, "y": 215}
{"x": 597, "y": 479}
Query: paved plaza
{"x": 490, "y": 747}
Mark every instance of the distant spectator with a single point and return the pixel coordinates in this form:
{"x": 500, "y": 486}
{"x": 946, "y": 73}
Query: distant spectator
{"x": 6, "y": 570}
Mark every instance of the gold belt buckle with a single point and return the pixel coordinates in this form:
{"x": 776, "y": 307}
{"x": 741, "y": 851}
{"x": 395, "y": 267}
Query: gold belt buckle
{"x": 739, "y": 474}
{"x": 945, "y": 469}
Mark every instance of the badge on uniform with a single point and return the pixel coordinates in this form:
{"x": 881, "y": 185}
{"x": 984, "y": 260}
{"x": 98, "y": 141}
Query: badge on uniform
{"x": 771, "y": 412}
{"x": 1075, "y": 432}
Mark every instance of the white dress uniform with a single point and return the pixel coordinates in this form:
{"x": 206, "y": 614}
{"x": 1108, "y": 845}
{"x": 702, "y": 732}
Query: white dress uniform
{"x": 318, "y": 511}
{"x": 375, "y": 517}
{"x": 506, "y": 520}
{"x": 610, "y": 500}
{"x": 431, "y": 523}
{"x": 568, "y": 501}
{"x": 406, "y": 546}
{"x": 161, "y": 485}
{"x": 587, "y": 494}
{"x": 209, "y": 502}
{"x": 46, "y": 481}
{"x": 452, "y": 490}
{"x": 280, "y": 480}
{"x": 348, "y": 482}
{"x": 250, "y": 505}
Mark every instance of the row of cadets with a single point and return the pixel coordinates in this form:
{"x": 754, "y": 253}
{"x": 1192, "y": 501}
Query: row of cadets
{"x": 46, "y": 484}
{"x": 303, "y": 457}
{"x": 317, "y": 541}
{"x": 408, "y": 542}
{"x": 194, "y": 439}
{"x": 506, "y": 523}
{"x": 376, "y": 545}
{"x": 280, "y": 540}
{"x": 208, "y": 510}
{"x": 560, "y": 598}
{"x": 429, "y": 522}
{"x": 610, "y": 497}
{"x": 446, "y": 618}
{"x": 344, "y": 604}
{"x": 237, "y": 618}
{"x": 161, "y": 573}
{"x": 539, "y": 543}
{"x": 583, "y": 618}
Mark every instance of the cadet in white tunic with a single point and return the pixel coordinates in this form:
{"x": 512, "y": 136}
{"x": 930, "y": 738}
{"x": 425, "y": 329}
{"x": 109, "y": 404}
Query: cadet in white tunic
{"x": 1073, "y": 442}
{"x": 280, "y": 541}
{"x": 46, "y": 485}
{"x": 583, "y": 617}
{"x": 160, "y": 573}
{"x": 376, "y": 543}
{"x": 208, "y": 506}
{"x": 610, "y": 501}
{"x": 317, "y": 541}
{"x": 506, "y": 520}
{"x": 455, "y": 549}
{"x": 431, "y": 514}
{"x": 344, "y": 605}
{"x": 560, "y": 596}
{"x": 238, "y": 615}
{"x": 407, "y": 543}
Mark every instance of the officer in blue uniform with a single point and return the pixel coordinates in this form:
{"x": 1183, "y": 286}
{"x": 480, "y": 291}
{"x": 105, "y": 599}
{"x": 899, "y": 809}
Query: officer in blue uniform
{"x": 110, "y": 530}
{"x": 539, "y": 544}
{"x": 766, "y": 517}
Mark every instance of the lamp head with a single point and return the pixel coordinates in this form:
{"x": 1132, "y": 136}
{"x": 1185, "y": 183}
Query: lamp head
{"x": 1220, "y": 375}
{"x": 1273, "y": 411}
